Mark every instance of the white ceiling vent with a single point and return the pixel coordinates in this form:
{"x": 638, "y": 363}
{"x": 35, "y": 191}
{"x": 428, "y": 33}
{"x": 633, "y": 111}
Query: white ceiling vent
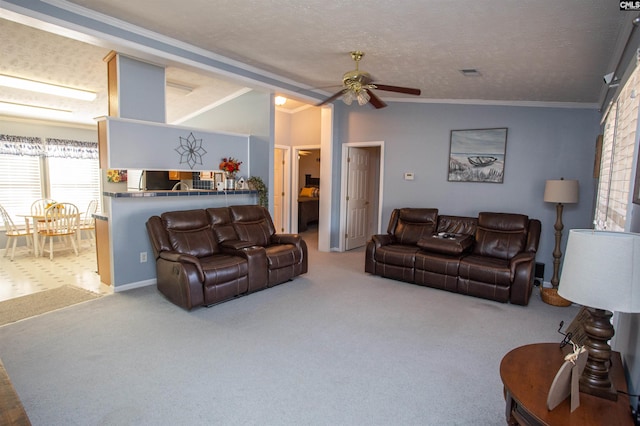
{"x": 471, "y": 72}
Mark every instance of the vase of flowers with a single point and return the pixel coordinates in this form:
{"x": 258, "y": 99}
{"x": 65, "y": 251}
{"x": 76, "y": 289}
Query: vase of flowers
{"x": 230, "y": 166}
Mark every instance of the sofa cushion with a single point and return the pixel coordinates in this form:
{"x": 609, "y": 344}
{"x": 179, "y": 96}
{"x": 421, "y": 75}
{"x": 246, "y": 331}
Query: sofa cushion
{"x": 484, "y": 269}
{"x": 189, "y": 232}
{"x": 223, "y": 268}
{"x": 221, "y": 223}
{"x": 413, "y": 224}
{"x": 397, "y": 254}
{"x": 457, "y": 224}
{"x": 252, "y": 223}
{"x": 256, "y": 232}
{"x": 283, "y": 255}
{"x": 501, "y": 235}
{"x": 437, "y": 262}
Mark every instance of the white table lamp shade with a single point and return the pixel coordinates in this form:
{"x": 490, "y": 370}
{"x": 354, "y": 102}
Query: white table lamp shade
{"x": 561, "y": 191}
{"x": 602, "y": 270}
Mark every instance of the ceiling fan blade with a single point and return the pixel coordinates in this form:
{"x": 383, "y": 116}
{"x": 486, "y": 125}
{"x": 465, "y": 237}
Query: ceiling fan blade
{"x": 332, "y": 97}
{"x": 375, "y": 100}
{"x": 398, "y": 89}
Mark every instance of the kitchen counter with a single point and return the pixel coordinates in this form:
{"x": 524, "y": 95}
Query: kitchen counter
{"x": 185, "y": 193}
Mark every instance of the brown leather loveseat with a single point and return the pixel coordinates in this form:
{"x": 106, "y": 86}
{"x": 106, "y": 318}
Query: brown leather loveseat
{"x": 491, "y": 256}
{"x": 208, "y": 256}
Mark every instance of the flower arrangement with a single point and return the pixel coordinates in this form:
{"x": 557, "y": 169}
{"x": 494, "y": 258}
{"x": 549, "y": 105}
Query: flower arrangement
{"x": 230, "y": 166}
{"x": 116, "y": 176}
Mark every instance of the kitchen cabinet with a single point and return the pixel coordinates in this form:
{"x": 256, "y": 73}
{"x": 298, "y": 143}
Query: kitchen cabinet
{"x": 103, "y": 250}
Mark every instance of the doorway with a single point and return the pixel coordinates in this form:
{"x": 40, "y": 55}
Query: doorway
{"x": 281, "y": 188}
{"x": 360, "y": 208}
{"x": 305, "y": 208}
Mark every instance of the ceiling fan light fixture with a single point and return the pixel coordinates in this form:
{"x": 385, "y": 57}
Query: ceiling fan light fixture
{"x": 363, "y": 97}
{"x": 51, "y": 89}
{"x": 349, "y": 97}
{"x": 359, "y": 86}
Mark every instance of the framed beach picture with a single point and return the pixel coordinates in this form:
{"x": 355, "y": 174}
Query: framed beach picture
{"x": 477, "y": 155}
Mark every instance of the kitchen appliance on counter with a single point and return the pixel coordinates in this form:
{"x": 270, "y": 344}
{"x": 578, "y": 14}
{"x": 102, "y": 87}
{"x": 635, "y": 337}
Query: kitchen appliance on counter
{"x": 150, "y": 180}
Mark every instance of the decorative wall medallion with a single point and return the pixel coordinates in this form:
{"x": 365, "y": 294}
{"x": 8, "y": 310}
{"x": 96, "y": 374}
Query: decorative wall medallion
{"x": 191, "y": 150}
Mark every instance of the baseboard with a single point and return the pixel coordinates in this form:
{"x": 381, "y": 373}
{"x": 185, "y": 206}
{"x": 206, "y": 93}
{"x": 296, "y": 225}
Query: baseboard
{"x": 131, "y": 286}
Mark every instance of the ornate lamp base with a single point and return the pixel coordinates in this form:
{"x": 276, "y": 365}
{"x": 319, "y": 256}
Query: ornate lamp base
{"x": 595, "y": 378}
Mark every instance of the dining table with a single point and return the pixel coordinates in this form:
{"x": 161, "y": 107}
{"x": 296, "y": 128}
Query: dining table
{"x": 31, "y": 222}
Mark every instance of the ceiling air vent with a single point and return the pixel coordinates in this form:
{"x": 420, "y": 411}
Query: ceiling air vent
{"x": 470, "y": 72}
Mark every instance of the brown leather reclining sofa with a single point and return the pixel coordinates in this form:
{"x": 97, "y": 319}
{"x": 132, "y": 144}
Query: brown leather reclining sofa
{"x": 491, "y": 256}
{"x": 208, "y": 256}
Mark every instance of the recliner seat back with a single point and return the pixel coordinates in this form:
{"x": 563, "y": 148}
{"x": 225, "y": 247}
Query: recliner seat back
{"x": 253, "y": 223}
{"x": 408, "y": 225}
{"x": 501, "y": 235}
{"x": 189, "y": 232}
{"x": 222, "y": 224}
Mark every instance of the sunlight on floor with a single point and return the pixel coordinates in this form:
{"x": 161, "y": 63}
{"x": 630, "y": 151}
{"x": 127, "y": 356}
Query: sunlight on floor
{"x": 27, "y": 274}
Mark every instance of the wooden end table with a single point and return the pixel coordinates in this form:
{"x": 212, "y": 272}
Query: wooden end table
{"x": 527, "y": 373}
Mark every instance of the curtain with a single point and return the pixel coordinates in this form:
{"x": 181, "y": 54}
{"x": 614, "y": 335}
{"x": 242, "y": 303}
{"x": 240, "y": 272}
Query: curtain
{"x": 66, "y": 148}
{"x": 619, "y": 138}
{"x": 21, "y": 145}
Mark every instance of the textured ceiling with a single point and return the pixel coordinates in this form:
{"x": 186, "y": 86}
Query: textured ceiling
{"x": 542, "y": 51}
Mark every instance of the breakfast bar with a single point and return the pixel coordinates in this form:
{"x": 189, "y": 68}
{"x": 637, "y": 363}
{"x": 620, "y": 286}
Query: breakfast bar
{"x": 123, "y": 247}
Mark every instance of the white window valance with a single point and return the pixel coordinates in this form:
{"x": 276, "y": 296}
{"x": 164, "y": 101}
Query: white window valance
{"x": 21, "y": 145}
{"x": 67, "y": 148}
{"x": 60, "y": 148}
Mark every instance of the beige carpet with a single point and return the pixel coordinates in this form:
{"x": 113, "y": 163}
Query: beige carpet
{"x": 45, "y": 301}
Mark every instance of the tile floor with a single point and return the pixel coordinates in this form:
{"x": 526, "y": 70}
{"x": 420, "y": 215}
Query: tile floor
{"x": 27, "y": 274}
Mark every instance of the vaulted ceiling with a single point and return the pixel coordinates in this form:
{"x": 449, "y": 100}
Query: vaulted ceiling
{"x": 547, "y": 51}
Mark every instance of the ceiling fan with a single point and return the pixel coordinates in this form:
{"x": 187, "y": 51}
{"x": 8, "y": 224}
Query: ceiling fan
{"x": 357, "y": 85}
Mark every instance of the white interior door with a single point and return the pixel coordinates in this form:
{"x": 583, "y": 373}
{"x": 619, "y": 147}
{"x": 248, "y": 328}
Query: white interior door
{"x": 357, "y": 197}
{"x": 279, "y": 190}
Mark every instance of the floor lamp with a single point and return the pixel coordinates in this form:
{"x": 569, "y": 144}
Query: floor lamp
{"x": 561, "y": 192}
{"x": 601, "y": 270}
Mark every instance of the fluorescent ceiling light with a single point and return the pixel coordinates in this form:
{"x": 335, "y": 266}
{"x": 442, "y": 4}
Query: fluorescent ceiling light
{"x": 30, "y": 110}
{"x": 51, "y": 89}
{"x": 179, "y": 86}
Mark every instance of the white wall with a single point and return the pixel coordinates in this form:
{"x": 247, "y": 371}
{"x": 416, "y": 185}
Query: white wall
{"x": 305, "y": 127}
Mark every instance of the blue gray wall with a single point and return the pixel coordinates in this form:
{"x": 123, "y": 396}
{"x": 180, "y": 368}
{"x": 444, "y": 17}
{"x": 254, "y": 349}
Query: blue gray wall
{"x": 251, "y": 113}
{"x": 542, "y": 143}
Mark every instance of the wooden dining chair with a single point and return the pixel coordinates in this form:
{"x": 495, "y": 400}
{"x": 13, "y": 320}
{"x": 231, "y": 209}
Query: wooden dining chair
{"x": 14, "y": 233}
{"x": 38, "y": 208}
{"x": 60, "y": 220}
{"x": 88, "y": 222}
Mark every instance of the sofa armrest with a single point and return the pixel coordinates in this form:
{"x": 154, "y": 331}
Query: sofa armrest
{"x": 522, "y": 266}
{"x": 237, "y": 244}
{"x": 520, "y": 259}
{"x": 297, "y": 241}
{"x": 285, "y": 239}
{"x": 174, "y": 256}
{"x": 380, "y": 240}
